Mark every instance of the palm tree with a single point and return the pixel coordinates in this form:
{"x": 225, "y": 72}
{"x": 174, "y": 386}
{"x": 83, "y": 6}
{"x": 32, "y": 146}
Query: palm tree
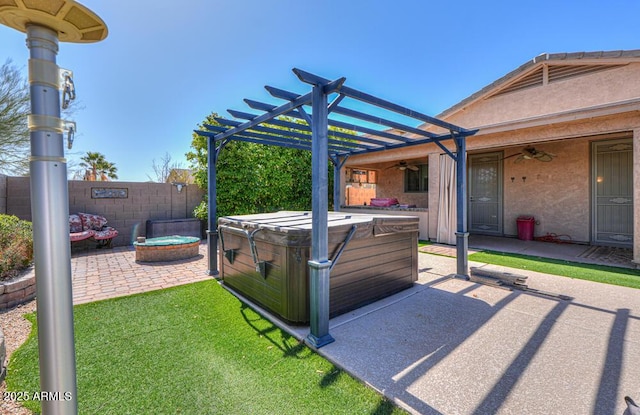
{"x": 108, "y": 171}
{"x": 97, "y": 168}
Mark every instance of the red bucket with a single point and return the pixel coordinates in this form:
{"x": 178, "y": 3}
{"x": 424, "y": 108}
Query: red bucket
{"x": 525, "y": 227}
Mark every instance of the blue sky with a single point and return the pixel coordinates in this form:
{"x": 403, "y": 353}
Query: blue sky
{"x": 166, "y": 65}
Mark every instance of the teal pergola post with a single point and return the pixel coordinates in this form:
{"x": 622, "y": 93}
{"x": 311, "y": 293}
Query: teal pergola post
{"x": 213, "y": 153}
{"x": 319, "y": 264}
{"x": 462, "y": 234}
{"x": 212, "y": 207}
{"x": 338, "y": 163}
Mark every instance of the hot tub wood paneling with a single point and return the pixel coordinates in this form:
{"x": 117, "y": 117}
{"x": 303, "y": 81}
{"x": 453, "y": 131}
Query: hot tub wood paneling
{"x": 372, "y": 269}
{"x": 381, "y": 259}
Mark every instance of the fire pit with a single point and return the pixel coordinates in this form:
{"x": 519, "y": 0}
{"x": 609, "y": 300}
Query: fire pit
{"x": 167, "y": 248}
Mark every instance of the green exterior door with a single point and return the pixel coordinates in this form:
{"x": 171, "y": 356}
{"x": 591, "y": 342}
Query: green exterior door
{"x": 612, "y": 181}
{"x": 485, "y": 193}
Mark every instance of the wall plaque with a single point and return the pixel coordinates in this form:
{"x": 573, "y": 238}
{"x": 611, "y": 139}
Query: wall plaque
{"x": 109, "y": 193}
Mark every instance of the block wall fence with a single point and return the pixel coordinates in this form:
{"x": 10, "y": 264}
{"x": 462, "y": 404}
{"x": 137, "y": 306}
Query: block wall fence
{"x": 128, "y": 213}
{"x": 3, "y": 194}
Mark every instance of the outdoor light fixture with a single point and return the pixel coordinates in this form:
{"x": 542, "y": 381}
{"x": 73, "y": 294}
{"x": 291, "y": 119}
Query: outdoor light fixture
{"x": 179, "y": 186}
{"x": 46, "y": 23}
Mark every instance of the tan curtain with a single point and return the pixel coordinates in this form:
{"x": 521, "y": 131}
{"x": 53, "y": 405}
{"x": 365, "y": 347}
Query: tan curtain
{"x": 447, "y": 201}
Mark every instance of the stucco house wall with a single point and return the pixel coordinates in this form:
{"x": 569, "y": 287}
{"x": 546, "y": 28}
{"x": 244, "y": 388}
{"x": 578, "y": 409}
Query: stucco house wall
{"x": 391, "y": 184}
{"x": 556, "y": 193}
{"x": 562, "y": 117}
{"x": 606, "y": 86}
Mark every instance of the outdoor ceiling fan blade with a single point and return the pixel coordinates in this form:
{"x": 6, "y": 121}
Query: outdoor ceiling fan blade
{"x": 513, "y": 155}
{"x": 414, "y": 168}
{"x": 402, "y": 165}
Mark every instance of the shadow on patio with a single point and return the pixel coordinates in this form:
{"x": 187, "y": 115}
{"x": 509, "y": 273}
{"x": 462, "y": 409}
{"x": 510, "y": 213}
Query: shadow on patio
{"x": 452, "y": 346}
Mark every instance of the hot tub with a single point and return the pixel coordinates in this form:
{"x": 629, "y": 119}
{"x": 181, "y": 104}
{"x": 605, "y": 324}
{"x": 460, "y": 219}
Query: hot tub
{"x": 264, "y": 257}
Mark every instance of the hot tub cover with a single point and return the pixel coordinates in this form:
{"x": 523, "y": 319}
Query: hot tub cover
{"x": 294, "y": 227}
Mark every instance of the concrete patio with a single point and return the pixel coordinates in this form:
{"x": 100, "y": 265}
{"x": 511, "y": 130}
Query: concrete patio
{"x": 449, "y": 346}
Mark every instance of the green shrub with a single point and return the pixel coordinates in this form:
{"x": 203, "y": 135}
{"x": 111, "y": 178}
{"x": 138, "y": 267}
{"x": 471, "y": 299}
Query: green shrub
{"x": 202, "y": 210}
{"x": 16, "y": 245}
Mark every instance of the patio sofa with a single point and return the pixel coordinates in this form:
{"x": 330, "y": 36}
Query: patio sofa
{"x": 87, "y": 226}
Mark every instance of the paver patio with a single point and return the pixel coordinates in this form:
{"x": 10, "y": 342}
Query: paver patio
{"x": 108, "y": 273}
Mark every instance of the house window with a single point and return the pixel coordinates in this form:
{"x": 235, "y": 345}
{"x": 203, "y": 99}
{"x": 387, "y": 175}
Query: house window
{"x": 417, "y": 180}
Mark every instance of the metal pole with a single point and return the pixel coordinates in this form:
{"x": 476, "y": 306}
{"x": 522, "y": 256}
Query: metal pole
{"x": 212, "y": 208}
{"x": 319, "y": 263}
{"x": 50, "y": 217}
{"x": 462, "y": 236}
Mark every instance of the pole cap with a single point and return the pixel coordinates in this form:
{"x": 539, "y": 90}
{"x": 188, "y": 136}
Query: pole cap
{"x": 74, "y": 22}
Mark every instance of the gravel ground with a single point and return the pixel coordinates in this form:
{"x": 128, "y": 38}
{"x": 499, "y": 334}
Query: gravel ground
{"x": 16, "y": 330}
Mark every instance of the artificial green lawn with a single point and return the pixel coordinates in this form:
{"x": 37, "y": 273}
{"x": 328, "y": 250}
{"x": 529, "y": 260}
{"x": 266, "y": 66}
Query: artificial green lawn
{"x": 194, "y": 349}
{"x": 422, "y": 243}
{"x": 599, "y": 273}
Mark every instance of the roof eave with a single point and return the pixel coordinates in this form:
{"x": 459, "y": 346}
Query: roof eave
{"x": 601, "y": 57}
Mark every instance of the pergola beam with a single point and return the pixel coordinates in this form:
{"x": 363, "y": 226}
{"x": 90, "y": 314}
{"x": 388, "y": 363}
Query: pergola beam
{"x": 283, "y": 109}
{"x": 382, "y": 121}
{"x": 299, "y": 133}
{"x": 253, "y": 137}
{"x": 437, "y": 140}
{"x": 247, "y": 116}
{"x": 282, "y": 94}
{"x": 295, "y": 114}
{"x": 249, "y": 139}
{"x": 379, "y": 102}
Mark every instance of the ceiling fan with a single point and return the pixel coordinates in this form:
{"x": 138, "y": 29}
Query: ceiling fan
{"x": 530, "y": 153}
{"x": 402, "y": 165}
